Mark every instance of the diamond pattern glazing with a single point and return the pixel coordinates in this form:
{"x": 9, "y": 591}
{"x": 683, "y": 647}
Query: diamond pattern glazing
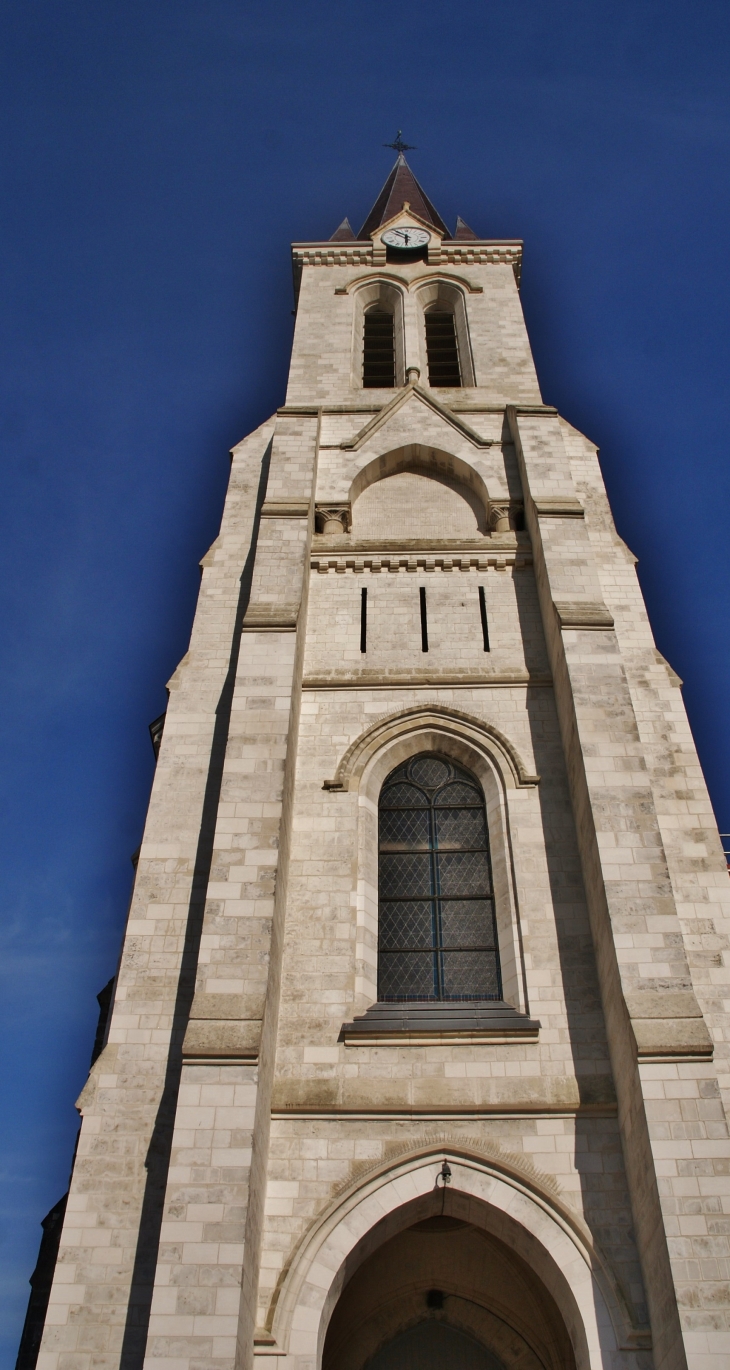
{"x": 460, "y": 828}
{"x": 437, "y": 932}
{"x": 401, "y": 828}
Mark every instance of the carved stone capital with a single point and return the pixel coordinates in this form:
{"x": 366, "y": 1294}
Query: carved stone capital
{"x": 333, "y": 519}
{"x": 503, "y": 517}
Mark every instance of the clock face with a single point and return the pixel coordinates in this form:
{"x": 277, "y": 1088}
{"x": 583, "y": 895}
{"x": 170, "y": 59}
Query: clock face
{"x": 406, "y": 237}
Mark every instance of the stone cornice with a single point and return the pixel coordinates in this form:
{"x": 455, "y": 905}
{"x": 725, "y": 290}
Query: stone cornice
{"x": 312, "y": 410}
{"x": 426, "y": 679}
{"x": 375, "y": 564}
{"x": 489, "y": 544}
{"x": 478, "y": 252}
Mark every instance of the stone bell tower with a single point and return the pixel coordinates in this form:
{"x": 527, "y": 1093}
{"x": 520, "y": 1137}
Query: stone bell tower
{"x": 418, "y": 1052}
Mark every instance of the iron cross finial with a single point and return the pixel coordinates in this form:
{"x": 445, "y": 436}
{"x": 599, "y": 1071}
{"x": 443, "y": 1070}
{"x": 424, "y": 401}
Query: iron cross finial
{"x": 399, "y": 146}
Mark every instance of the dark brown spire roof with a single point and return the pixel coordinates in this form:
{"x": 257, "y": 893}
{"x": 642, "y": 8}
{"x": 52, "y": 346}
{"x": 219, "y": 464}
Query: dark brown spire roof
{"x": 344, "y": 233}
{"x": 400, "y": 188}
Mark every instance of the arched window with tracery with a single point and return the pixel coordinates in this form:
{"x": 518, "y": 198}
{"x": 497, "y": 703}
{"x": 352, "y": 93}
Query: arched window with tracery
{"x": 437, "y": 930}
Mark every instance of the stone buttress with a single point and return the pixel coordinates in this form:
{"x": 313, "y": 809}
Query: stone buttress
{"x": 257, "y": 1115}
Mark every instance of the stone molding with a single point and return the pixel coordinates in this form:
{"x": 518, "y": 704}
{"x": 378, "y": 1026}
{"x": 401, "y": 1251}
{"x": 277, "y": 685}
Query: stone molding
{"x": 269, "y": 616}
{"x": 400, "y": 398}
{"x": 421, "y": 717}
{"x": 408, "y": 285}
{"x": 583, "y": 614}
{"x": 332, "y": 254}
{"x": 669, "y": 1027}
{"x": 415, "y": 563}
{"x": 427, "y": 677}
{"x": 207, "y": 1038}
{"x": 506, "y": 252}
{"x": 287, "y": 508}
{"x": 458, "y": 407}
{"x": 494, "y": 544}
{"x": 563, "y": 507}
{"x": 422, "y": 1024}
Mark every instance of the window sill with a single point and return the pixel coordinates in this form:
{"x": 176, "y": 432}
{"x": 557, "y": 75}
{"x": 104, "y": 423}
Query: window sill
{"x": 424, "y": 1024}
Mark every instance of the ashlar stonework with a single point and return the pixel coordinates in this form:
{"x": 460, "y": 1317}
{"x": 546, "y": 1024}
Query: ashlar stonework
{"x": 278, "y": 1168}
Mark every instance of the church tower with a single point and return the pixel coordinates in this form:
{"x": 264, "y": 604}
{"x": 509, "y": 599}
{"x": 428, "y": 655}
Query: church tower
{"x": 418, "y": 1049}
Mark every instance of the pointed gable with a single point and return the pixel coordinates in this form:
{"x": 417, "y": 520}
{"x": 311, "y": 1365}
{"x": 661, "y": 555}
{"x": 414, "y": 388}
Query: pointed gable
{"x": 344, "y": 233}
{"x": 402, "y": 188}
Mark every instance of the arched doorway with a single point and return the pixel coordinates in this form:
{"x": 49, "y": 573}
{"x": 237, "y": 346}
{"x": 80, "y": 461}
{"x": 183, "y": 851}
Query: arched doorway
{"x": 443, "y": 1294}
{"x": 531, "y": 1241}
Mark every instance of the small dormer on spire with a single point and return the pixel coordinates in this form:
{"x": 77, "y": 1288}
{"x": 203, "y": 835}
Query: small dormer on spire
{"x": 402, "y": 188}
{"x": 344, "y": 233}
{"x": 463, "y": 233}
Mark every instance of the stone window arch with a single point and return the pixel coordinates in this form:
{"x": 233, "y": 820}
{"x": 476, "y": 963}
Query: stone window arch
{"x": 445, "y": 346}
{"x": 437, "y": 931}
{"x": 501, "y": 775}
{"x": 373, "y": 304}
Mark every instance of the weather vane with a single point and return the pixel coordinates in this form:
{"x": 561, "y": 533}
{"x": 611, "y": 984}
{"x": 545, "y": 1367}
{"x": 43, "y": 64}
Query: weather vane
{"x": 399, "y": 145}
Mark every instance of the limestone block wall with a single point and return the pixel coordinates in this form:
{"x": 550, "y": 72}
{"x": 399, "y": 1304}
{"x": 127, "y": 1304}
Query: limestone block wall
{"x": 684, "y": 1100}
{"x": 455, "y": 637}
{"x": 101, "y": 1293}
{"x": 312, "y": 1163}
{"x": 647, "y": 989}
{"x": 326, "y": 366}
{"x": 229, "y": 1108}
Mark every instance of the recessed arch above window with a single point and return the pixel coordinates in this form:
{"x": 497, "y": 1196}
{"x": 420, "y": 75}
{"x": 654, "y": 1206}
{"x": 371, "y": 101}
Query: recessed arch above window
{"x": 445, "y": 336}
{"x": 378, "y": 347}
{"x": 437, "y": 931}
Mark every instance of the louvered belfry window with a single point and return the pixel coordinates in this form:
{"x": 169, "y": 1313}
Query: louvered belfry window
{"x": 442, "y": 349}
{"x": 378, "y": 350}
{"x": 437, "y": 931}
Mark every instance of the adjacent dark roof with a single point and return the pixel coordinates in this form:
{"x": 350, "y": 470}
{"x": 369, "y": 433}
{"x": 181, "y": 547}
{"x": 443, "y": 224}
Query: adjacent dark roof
{"x": 344, "y": 233}
{"x": 401, "y": 187}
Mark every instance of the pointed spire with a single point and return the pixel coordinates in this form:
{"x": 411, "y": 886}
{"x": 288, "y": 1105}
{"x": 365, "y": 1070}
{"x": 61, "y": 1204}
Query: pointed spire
{"x": 402, "y": 188}
{"x": 463, "y": 230}
{"x": 344, "y": 233}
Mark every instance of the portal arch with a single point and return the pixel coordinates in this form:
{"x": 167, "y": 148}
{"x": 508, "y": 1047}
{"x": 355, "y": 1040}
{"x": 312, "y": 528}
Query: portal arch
{"x": 550, "y": 1241}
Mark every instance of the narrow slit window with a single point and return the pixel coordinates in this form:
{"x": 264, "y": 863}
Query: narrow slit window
{"x": 483, "y": 616}
{"x": 437, "y": 931}
{"x": 378, "y": 350}
{"x": 364, "y": 621}
{"x": 424, "y": 619}
{"x": 442, "y": 349}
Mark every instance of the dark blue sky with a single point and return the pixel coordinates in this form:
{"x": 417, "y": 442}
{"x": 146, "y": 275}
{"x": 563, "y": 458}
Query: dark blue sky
{"x": 158, "y": 158}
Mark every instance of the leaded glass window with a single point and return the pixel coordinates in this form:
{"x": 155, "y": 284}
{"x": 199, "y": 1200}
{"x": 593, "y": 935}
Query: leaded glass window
{"x": 437, "y": 931}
